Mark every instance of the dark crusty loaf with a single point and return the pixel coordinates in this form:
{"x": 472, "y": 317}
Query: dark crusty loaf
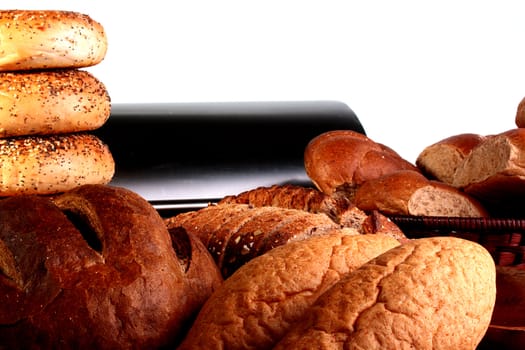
{"x": 430, "y": 293}
{"x": 341, "y": 160}
{"x": 91, "y": 268}
{"x": 256, "y": 306}
{"x": 411, "y": 193}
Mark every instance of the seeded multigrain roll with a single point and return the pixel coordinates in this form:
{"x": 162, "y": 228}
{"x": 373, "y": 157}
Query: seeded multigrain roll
{"x": 35, "y": 39}
{"x": 52, "y": 164}
{"x": 51, "y": 102}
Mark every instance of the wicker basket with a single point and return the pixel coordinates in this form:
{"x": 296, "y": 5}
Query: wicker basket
{"x": 503, "y": 238}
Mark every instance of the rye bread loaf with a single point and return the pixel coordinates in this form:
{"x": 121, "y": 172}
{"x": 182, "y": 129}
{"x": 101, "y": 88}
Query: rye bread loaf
{"x": 341, "y": 160}
{"x": 339, "y": 208}
{"x": 92, "y": 268}
{"x": 430, "y": 293}
{"x": 494, "y": 172}
{"x": 440, "y": 160}
{"x": 256, "y": 306}
{"x": 336, "y": 206}
{"x": 236, "y": 233}
{"x": 411, "y": 193}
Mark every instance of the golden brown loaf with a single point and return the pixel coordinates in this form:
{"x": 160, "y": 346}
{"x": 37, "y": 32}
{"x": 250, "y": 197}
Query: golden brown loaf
{"x": 256, "y": 306}
{"x": 32, "y": 39}
{"x": 440, "y": 160}
{"x": 411, "y": 193}
{"x": 341, "y": 160}
{"x": 430, "y": 293}
{"x": 93, "y": 268}
{"x": 53, "y": 163}
{"x": 51, "y": 102}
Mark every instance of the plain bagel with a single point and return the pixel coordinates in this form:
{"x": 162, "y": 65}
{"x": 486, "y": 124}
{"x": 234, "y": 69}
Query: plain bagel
{"x": 44, "y": 39}
{"x": 52, "y": 164}
{"x": 51, "y": 102}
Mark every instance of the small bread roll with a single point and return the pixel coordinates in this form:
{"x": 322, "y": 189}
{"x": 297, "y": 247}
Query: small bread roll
{"x": 52, "y": 164}
{"x": 258, "y": 304}
{"x": 34, "y": 39}
{"x": 410, "y": 193}
{"x": 430, "y": 293}
{"x": 51, "y": 102}
{"x": 341, "y": 160}
{"x": 440, "y": 160}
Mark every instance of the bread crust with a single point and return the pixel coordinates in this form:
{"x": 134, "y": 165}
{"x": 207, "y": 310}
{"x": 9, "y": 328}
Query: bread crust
{"x": 125, "y": 289}
{"x": 341, "y": 160}
{"x": 430, "y": 293}
{"x": 52, "y": 164}
{"x": 51, "y": 102}
{"x": 520, "y": 114}
{"x": 411, "y": 193}
{"x": 256, "y": 306}
{"x": 236, "y": 233}
{"x": 440, "y": 160}
{"x": 46, "y": 39}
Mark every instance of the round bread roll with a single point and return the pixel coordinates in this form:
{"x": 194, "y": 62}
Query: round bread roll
{"x": 430, "y": 293}
{"x": 33, "y": 39}
{"x": 52, "y": 164}
{"x": 258, "y": 304}
{"x": 93, "y": 268}
{"x": 51, "y": 102}
{"x": 440, "y": 160}
{"x": 341, "y": 160}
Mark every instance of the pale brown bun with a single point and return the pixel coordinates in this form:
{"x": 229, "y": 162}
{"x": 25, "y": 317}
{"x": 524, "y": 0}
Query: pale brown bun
{"x": 33, "y": 39}
{"x": 52, "y": 164}
{"x": 258, "y": 304}
{"x": 430, "y": 293}
{"x": 520, "y": 114}
{"x": 93, "y": 268}
{"x": 410, "y": 193}
{"x": 440, "y": 160}
{"x": 342, "y": 160}
{"x": 51, "y": 102}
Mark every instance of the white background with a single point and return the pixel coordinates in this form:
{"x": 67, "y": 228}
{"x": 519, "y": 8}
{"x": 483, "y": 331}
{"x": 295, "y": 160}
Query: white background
{"x": 413, "y": 71}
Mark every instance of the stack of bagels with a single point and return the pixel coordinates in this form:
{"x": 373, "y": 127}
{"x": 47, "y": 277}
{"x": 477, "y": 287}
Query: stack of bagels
{"x": 48, "y": 103}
